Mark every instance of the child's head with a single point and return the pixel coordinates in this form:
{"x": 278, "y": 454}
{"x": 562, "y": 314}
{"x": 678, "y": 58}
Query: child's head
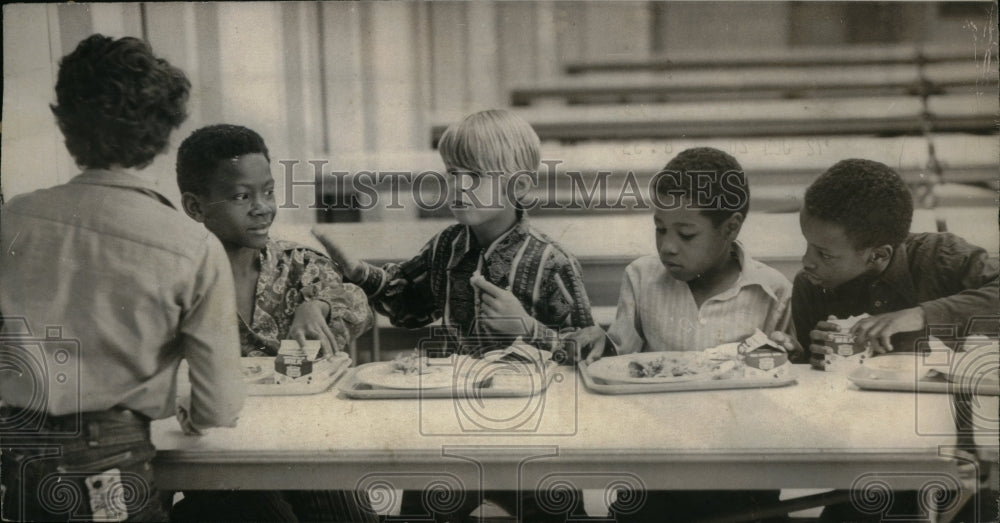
{"x": 855, "y": 215}
{"x": 117, "y": 103}
{"x": 490, "y": 157}
{"x": 701, "y": 200}
{"x": 224, "y": 175}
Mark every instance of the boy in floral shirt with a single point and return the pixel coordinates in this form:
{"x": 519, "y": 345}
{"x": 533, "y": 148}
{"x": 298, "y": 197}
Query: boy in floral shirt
{"x": 283, "y": 291}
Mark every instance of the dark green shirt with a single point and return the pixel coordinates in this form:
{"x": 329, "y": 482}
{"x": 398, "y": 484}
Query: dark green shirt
{"x": 953, "y": 281}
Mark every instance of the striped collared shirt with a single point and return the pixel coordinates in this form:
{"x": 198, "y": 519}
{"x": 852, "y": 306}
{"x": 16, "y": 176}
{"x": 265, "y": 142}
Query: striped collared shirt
{"x": 658, "y": 313}
{"x": 435, "y": 284}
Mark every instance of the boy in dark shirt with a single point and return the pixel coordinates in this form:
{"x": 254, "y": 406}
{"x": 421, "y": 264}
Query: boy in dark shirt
{"x": 861, "y": 258}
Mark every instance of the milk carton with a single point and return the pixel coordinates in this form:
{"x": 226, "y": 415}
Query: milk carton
{"x": 763, "y": 358}
{"x": 845, "y": 355}
{"x": 294, "y": 364}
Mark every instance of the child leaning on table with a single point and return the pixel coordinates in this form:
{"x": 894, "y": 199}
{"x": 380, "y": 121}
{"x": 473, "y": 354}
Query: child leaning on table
{"x": 530, "y": 286}
{"x": 283, "y": 291}
{"x": 699, "y": 291}
{"x": 861, "y": 258}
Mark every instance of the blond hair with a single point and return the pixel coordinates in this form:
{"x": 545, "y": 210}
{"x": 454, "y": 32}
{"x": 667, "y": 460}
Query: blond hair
{"x": 492, "y": 141}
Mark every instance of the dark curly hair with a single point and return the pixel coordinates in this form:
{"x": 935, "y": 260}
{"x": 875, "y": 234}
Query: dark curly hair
{"x": 868, "y": 199}
{"x": 117, "y": 103}
{"x": 199, "y": 154}
{"x": 720, "y": 193}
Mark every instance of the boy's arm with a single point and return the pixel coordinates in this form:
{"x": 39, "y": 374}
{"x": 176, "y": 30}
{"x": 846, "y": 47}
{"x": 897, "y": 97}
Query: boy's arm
{"x": 210, "y": 342}
{"x": 805, "y": 312}
{"x": 402, "y": 291}
{"x": 347, "y": 311}
{"x": 626, "y": 332}
{"x": 564, "y": 307}
{"x": 969, "y": 270}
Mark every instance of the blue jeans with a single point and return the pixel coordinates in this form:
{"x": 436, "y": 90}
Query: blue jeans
{"x": 96, "y": 465}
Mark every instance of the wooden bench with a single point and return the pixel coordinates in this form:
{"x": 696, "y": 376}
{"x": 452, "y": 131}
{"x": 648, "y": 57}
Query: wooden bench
{"x": 756, "y": 83}
{"x": 771, "y": 238}
{"x": 805, "y": 56}
{"x": 756, "y": 118}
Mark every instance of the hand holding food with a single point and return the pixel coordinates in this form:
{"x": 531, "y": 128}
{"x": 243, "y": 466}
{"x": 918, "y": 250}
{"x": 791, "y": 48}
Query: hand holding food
{"x": 500, "y": 310}
{"x": 877, "y": 330}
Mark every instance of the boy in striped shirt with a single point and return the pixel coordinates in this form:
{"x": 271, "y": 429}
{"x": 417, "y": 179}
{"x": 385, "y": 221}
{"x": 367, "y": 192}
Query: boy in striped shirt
{"x": 530, "y": 287}
{"x": 699, "y": 291}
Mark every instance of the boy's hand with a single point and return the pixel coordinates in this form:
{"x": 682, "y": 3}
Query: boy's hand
{"x": 821, "y": 334}
{"x": 183, "y": 412}
{"x": 788, "y": 343}
{"x": 309, "y": 323}
{"x": 501, "y": 310}
{"x": 353, "y": 268}
{"x": 878, "y": 329}
{"x": 590, "y": 341}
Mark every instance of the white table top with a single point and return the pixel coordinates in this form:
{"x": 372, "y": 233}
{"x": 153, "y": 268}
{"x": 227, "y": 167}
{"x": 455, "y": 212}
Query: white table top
{"x": 822, "y": 432}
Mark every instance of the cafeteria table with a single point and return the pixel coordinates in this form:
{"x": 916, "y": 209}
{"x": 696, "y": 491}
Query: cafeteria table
{"x": 822, "y": 432}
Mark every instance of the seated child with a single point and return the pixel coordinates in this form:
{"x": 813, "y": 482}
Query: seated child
{"x": 530, "y": 286}
{"x": 861, "y": 258}
{"x": 701, "y": 290}
{"x": 283, "y": 291}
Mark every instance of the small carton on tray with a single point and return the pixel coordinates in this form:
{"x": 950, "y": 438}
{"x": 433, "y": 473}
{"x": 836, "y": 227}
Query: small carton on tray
{"x": 845, "y": 355}
{"x": 294, "y": 371}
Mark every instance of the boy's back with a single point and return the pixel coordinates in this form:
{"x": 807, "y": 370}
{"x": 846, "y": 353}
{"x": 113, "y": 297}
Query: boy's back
{"x": 105, "y": 259}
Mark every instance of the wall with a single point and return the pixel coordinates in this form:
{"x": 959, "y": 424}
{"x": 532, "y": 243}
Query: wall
{"x": 323, "y": 79}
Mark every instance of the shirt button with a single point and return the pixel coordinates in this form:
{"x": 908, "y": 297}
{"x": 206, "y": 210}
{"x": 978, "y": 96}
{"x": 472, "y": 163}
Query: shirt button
{"x": 702, "y": 321}
{"x": 878, "y": 303}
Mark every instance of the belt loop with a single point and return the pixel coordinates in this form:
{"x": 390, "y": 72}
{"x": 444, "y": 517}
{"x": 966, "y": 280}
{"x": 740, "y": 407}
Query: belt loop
{"x": 93, "y": 433}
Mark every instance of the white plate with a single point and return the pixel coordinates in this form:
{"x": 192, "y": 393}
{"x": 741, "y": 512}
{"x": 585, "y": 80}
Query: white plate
{"x": 615, "y": 368}
{"x": 383, "y": 375}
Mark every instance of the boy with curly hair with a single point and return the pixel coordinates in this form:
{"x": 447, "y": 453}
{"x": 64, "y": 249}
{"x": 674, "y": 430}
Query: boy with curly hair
{"x": 132, "y": 284}
{"x": 283, "y": 291}
{"x": 861, "y": 258}
{"x": 701, "y": 290}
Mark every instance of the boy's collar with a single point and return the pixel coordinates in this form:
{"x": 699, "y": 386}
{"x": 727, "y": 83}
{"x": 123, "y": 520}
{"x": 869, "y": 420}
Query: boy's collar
{"x": 124, "y": 179}
{"x": 464, "y": 240}
{"x": 751, "y": 273}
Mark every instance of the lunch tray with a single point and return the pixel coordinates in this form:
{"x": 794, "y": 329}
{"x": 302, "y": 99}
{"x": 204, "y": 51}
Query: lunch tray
{"x": 600, "y": 387}
{"x": 870, "y": 378}
{"x": 318, "y": 385}
{"x": 355, "y": 390}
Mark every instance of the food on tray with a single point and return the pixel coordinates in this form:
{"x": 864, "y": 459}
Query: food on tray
{"x": 846, "y": 355}
{"x": 410, "y": 364}
{"x": 757, "y": 357}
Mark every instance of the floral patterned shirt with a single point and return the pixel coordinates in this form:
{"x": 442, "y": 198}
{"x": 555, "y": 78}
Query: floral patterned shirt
{"x": 435, "y": 285}
{"x": 290, "y": 275}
